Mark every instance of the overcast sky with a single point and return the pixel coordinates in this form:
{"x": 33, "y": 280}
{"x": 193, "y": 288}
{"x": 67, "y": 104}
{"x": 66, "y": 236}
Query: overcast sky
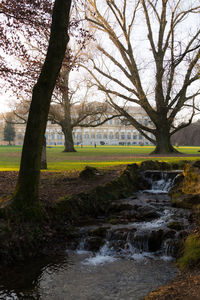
{"x": 6, "y": 98}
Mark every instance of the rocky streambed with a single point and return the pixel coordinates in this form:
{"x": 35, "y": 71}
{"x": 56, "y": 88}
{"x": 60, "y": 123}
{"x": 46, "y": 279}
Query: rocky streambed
{"x": 127, "y": 252}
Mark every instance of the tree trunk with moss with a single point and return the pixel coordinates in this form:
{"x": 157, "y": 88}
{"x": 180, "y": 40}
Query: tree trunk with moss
{"x": 26, "y": 196}
{"x": 44, "y": 155}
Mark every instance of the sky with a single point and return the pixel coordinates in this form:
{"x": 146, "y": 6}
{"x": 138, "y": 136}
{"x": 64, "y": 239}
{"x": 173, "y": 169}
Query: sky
{"x": 6, "y": 99}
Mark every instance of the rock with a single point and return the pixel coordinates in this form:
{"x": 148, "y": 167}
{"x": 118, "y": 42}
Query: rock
{"x": 154, "y": 165}
{"x": 196, "y": 164}
{"x": 100, "y": 232}
{"x": 120, "y": 237}
{"x": 147, "y": 213}
{"x": 149, "y": 165}
{"x": 94, "y": 243}
{"x": 182, "y": 234}
{"x": 178, "y": 179}
{"x": 185, "y": 200}
{"x": 175, "y": 225}
{"x": 113, "y": 221}
{"x": 155, "y": 240}
{"x": 130, "y": 215}
{"x": 169, "y": 234}
{"x": 118, "y": 207}
{"x": 89, "y": 172}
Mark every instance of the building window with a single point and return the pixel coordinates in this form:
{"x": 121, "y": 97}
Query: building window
{"x": 93, "y": 135}
{"x": 111, "y": 135}
{"x": 135, "y": 137}
{"x": 117, "y": 135}
{"x": 20, "y": 136}
{"x": 128, "y": 136}
{"x": 53, "y": 136}
{"x": 122, "y": 136}
{"x": 105, "y": 136}
{"x": 99, "y": 136}
{"x": 110, "y": 122}
{"x": 79, "y": 136}
{"x": 86, "y": 136}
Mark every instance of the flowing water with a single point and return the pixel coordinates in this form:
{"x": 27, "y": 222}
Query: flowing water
{"x": 122, "y": 261}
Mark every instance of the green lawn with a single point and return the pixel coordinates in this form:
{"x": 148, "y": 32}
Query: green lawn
{"x": 102, "y": 156}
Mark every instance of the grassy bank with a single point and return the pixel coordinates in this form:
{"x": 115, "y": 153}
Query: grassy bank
{"x": 102, "y": 156}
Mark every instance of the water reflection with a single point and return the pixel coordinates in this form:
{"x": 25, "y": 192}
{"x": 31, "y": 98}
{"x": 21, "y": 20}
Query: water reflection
{"x": 67, "y": 278}
{"x": 22, "y": 282}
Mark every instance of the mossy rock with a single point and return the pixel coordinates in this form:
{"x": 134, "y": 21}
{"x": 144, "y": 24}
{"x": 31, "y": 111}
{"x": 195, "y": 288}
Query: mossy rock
{"x": 94, "y": 243}
{"x": 191, "y": 255}
{"x": 185, "y": 200}
{"x": 89, "y": 172}
{"x": 165, "y": 166}
{"x": 175, "y": 225}
{"x": 196, "y": 164}
{"x": 113, "y": 221}
{"x": 155, "y": 165}
{"x": 175, "y": 166}
{"x": 100, "y": 231}
{"x": 186, "y": 191}
{"x": 150, "y": 165}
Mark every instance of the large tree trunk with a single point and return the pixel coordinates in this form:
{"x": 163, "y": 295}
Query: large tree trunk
{"x": 163, "y": 143}
{"x": 44, "y": 155}
{"x": 69, "y": 142}
{"x": 26, "y": 196}
{"x": 66, "y": 123}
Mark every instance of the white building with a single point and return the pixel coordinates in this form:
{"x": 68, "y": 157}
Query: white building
{"x": 112, "y": 132}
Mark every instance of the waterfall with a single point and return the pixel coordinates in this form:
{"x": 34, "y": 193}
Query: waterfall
{"x": 147, "y": 227}
{"x": 159, "y": 181}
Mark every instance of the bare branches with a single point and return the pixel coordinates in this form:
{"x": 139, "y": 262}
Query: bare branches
{"x": 172, "y": 60}
{"x": 183, "y": 125}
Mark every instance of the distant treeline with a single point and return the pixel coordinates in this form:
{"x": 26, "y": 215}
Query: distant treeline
{"x": 189, "y": 136}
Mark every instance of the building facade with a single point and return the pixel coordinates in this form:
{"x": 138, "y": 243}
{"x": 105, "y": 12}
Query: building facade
{"x": 112, "y": 132}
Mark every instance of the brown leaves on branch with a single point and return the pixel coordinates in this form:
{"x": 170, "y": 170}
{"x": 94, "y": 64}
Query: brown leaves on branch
{"x": 24, "y": 33}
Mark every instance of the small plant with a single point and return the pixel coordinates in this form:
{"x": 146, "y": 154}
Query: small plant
{"x": 191, "y": 255}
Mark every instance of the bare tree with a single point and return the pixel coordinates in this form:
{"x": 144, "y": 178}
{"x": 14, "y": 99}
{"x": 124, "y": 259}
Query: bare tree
{"x": 72, "y": 108}
{"x": 155, "y": 68}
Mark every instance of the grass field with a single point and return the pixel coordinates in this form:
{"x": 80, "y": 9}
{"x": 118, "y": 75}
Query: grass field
{"x": 102, "y": 156}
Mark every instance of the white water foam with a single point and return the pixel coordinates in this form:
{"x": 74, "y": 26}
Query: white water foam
{"x": 143, "y": 256}
{"x": 105, "y": 255}
{"x": 81, "y": 252}
{"x": 167, "y": 258}
{"x": 98, "y": 260}
{"x": 155, "y": 223}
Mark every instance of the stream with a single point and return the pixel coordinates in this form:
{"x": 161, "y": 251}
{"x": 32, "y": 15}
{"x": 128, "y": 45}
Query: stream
{"x": 127, "y": 254}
